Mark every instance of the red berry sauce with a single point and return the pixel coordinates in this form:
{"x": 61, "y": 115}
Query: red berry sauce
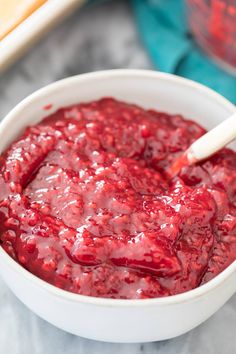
{"x": 86, "y": 203}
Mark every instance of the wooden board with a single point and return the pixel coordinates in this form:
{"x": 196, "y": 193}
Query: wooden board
{"x": 13, "y": 12}
{"x": 31, "y": 20}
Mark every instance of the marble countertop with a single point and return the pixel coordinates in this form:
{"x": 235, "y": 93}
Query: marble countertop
{"x": 102, "y": 36}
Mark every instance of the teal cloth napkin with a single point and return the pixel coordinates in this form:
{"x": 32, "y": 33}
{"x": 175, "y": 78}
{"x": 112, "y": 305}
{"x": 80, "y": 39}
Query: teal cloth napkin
{"x": 163, "y": 28}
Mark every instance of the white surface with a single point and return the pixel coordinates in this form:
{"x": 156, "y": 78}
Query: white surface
{"x": 214, "y": 140}
{"x": 106, "y": 319}
{"x": 25, "y": 34}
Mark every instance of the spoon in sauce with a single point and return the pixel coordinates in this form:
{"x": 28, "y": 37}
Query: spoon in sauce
{"x": 206, "y": 145}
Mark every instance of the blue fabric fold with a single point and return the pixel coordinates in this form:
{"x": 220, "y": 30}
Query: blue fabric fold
{"x": 163, "y": 28}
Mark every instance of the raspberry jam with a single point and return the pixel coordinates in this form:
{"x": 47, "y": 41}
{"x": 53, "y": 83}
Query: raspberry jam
{"x": 86, "y": 203}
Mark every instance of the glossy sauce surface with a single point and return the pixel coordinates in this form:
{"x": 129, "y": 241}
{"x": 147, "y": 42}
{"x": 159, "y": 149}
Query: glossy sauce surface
{"x": 86, "y": 203}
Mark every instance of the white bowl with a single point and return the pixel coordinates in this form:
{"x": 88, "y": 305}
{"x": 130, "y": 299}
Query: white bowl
{"x": 108, "y": 319}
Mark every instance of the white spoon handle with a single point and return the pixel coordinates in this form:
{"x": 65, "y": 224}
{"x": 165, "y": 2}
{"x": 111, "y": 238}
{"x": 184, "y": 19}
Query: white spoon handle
{"x": 214, "y": 140}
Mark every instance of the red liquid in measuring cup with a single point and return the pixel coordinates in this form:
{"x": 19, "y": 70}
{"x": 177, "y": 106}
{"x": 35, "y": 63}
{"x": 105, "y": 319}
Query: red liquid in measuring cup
{"x": 213, "y": 23}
